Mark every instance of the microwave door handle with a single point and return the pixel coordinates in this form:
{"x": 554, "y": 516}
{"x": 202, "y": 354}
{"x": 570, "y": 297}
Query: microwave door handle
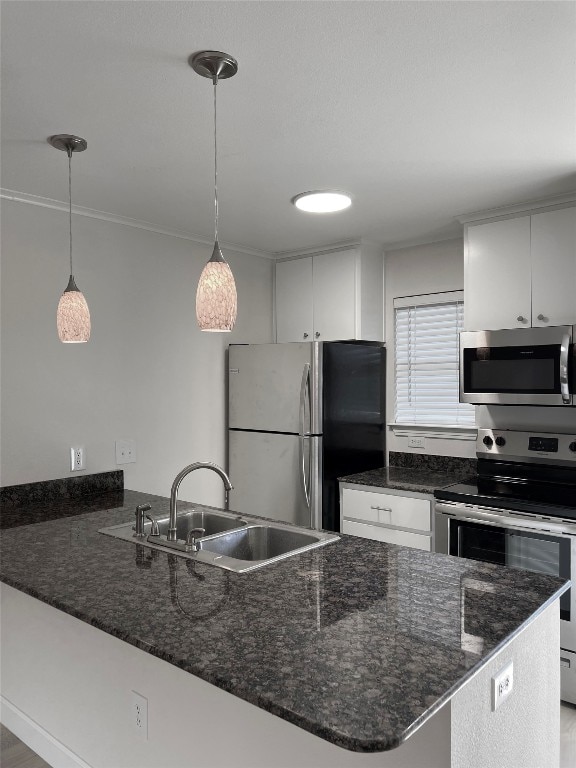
{"x": 564, "y": 348}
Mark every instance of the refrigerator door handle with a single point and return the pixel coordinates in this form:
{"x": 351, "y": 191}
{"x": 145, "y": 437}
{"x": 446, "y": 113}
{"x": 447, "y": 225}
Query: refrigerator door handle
{"x": 304, "y": 399}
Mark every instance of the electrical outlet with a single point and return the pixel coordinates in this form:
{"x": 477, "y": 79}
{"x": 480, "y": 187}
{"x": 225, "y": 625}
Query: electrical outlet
{"x": 416, "y": 442}
{"x": 140, "y": 715}
{"x": 77, "y": 458}
{"x": 125, "y": 451}
{"x": 502, "y": 685}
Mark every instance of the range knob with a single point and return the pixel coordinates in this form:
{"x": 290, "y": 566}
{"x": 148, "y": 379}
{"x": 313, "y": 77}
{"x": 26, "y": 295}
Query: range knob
{"x": 500, "y": 441}
{"x": 488, "y": 442}
{"x": 572, "y": 446}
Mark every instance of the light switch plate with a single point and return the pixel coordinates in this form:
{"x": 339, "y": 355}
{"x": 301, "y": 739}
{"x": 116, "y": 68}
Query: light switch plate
{"x": 125, "y": 451}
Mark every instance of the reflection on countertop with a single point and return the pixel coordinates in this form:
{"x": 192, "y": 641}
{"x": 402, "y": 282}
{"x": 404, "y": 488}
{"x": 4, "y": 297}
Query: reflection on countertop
{"x": 358, "y": 642}
{"x": 419, "y": 473}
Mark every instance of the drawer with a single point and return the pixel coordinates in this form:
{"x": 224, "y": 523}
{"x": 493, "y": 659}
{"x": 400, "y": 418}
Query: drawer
{"x": 386, "y": 509}
{"x": 389, "y": 535}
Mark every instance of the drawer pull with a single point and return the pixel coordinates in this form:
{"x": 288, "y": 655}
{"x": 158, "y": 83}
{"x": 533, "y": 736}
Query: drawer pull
{"x": 381, "y": 509}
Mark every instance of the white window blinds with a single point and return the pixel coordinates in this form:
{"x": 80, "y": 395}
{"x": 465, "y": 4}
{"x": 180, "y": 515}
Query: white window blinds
{"x": 427, "y": 352}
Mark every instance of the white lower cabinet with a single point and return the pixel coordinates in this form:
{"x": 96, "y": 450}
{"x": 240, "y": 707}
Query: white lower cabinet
{"x": 396, "y": 518}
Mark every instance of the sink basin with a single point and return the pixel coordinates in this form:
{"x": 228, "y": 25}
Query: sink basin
{"x": 258, "y": 542}
{"x": 231, "y": 542}
{"x": 212, "y": 522}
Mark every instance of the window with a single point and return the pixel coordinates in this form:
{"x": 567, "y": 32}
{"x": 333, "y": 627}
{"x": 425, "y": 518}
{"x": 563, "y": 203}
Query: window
{"x": 426, "y": 341}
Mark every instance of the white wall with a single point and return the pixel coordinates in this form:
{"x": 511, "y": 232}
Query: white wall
{"x": 147, "y": 372}
{"x": 431, "y": 268}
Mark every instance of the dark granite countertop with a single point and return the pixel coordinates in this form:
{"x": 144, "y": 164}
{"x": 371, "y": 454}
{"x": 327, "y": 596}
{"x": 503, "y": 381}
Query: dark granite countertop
{"x": 357, "y": 642}
{"x": 404, "y": 479}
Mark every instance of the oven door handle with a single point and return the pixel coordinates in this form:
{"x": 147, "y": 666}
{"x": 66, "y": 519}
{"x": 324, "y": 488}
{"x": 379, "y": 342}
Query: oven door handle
{"x": 504, "y": 521}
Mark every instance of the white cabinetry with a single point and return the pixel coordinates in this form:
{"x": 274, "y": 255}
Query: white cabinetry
{"x": 553, "y": 240}
{"x": 521, "y": 272}
{"x": 330, "y": 296}
{"x": 391, "y": 516}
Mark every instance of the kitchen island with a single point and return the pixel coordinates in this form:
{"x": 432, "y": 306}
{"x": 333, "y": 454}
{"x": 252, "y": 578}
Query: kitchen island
{"x": 355, "y": 653}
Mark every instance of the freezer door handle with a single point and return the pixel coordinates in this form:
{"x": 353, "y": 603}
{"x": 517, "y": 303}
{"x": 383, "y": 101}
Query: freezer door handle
{"x": 305, "y": 487}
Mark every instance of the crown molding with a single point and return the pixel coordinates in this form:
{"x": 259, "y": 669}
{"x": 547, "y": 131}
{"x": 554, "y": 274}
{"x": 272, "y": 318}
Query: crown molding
{"x": 317, "y": 250}
{"x": 509, "y": 210}
{"x": 57, "y": 205}
{"x": 418, "y": 241}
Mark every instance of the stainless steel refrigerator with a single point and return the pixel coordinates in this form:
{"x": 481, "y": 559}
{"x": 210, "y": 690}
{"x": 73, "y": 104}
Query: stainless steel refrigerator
{"x": 300, "y": 416}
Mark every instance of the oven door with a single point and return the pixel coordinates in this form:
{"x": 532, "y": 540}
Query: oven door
{"x": 522, "y": 366}
{"x": 494, "y": 536}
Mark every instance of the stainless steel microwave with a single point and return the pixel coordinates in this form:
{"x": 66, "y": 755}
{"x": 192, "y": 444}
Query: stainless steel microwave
{"x": 520, "y": 366}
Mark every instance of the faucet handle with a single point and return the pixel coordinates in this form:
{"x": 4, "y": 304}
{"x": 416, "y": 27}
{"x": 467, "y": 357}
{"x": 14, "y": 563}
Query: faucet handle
{"x": 155, "y": 531}
{"x": 192, "y": 538}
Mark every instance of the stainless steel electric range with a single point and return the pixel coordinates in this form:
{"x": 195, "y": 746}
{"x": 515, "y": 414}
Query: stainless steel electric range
{"x": 520, "y": 511}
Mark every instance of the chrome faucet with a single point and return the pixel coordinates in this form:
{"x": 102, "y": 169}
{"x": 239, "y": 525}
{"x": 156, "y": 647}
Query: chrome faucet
{"x": 176, "y": 484}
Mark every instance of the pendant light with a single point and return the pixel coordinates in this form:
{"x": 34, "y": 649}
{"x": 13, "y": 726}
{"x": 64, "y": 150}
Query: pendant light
{"x": 73, "y": 315}
{"x": 216, "y": 300}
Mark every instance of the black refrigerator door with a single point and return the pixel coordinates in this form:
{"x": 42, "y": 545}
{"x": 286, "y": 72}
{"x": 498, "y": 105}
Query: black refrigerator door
{"x": 354, "y": 417}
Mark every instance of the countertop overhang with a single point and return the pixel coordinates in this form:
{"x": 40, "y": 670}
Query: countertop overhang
{"x": 358, "y": 642}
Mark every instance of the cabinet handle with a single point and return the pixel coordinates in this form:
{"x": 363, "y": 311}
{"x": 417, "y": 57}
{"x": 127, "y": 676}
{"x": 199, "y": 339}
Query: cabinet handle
{"x": 305, "y": 335}
{"x": 543, "y": 319}
{"x": 521, "y": 319}
{"x": 317, "y": 334}
{"x": 382, "y": 509}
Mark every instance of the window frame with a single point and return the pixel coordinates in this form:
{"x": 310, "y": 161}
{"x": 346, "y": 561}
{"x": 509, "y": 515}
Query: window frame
{"x": 410, "y": 429}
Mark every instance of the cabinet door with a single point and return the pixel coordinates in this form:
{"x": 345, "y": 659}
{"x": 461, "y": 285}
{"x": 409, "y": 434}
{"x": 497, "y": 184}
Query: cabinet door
{"x": 497, "y": 275}
{"x": 335, "y": 296}
{"x": 294, "y": 318}
{"x": 387, "y": 509}
{"x": 553, "y": 240}
{"x": 389, "y": 535}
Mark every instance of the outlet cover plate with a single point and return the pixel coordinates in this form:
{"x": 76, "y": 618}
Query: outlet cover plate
{"x": 502, "y": 685}
{"x": 416, "y": 442}
{"x": 140, "y": 715}
{"x": 77, "y": 458}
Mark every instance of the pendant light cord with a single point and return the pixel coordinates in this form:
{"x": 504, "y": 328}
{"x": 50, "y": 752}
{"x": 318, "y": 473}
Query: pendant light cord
{"x": 70, "y": 202}
{"x": 215, "y": 80}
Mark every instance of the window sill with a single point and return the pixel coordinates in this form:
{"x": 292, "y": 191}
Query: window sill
{"x": 444, "y": 432}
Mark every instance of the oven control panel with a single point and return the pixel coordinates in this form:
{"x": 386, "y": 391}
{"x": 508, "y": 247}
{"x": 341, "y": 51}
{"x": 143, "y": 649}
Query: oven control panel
{"x": 510, "y": 445}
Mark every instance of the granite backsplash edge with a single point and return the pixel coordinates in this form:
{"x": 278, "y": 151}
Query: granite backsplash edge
{"x": 448, "y": 464}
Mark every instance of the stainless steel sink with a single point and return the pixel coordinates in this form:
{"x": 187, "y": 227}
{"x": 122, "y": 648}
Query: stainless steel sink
{"x": 258, "y": 542}
{"x": 230, "y": 541}
{"x": 212, "y": 522}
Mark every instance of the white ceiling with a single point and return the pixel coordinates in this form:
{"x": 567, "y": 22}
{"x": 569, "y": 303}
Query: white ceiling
{"x": 421, "y": 110}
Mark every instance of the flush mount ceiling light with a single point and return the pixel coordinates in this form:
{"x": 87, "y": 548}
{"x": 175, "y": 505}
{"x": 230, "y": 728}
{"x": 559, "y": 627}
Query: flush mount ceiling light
{"x": 216, "y": 300}
{"x": 328, "y": 201}
{"x": 73, "y": 315}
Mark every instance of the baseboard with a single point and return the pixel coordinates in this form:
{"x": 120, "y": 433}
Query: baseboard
{"x": 39, "y": 740}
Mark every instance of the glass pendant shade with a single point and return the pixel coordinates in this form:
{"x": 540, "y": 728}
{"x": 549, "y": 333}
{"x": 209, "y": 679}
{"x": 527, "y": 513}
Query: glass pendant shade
{"x": 73, "y": 315}
{"x": 216, "y": 300}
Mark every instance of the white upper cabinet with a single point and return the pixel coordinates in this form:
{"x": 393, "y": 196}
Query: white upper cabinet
{"x": 497, "y": 275}
{"x": 554, "y": 267}
{"x": 330, "y": 296}
{"x": 294, "y": 318}
{"x": 521, "y": 272}
{"x": 334, "y": 276}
